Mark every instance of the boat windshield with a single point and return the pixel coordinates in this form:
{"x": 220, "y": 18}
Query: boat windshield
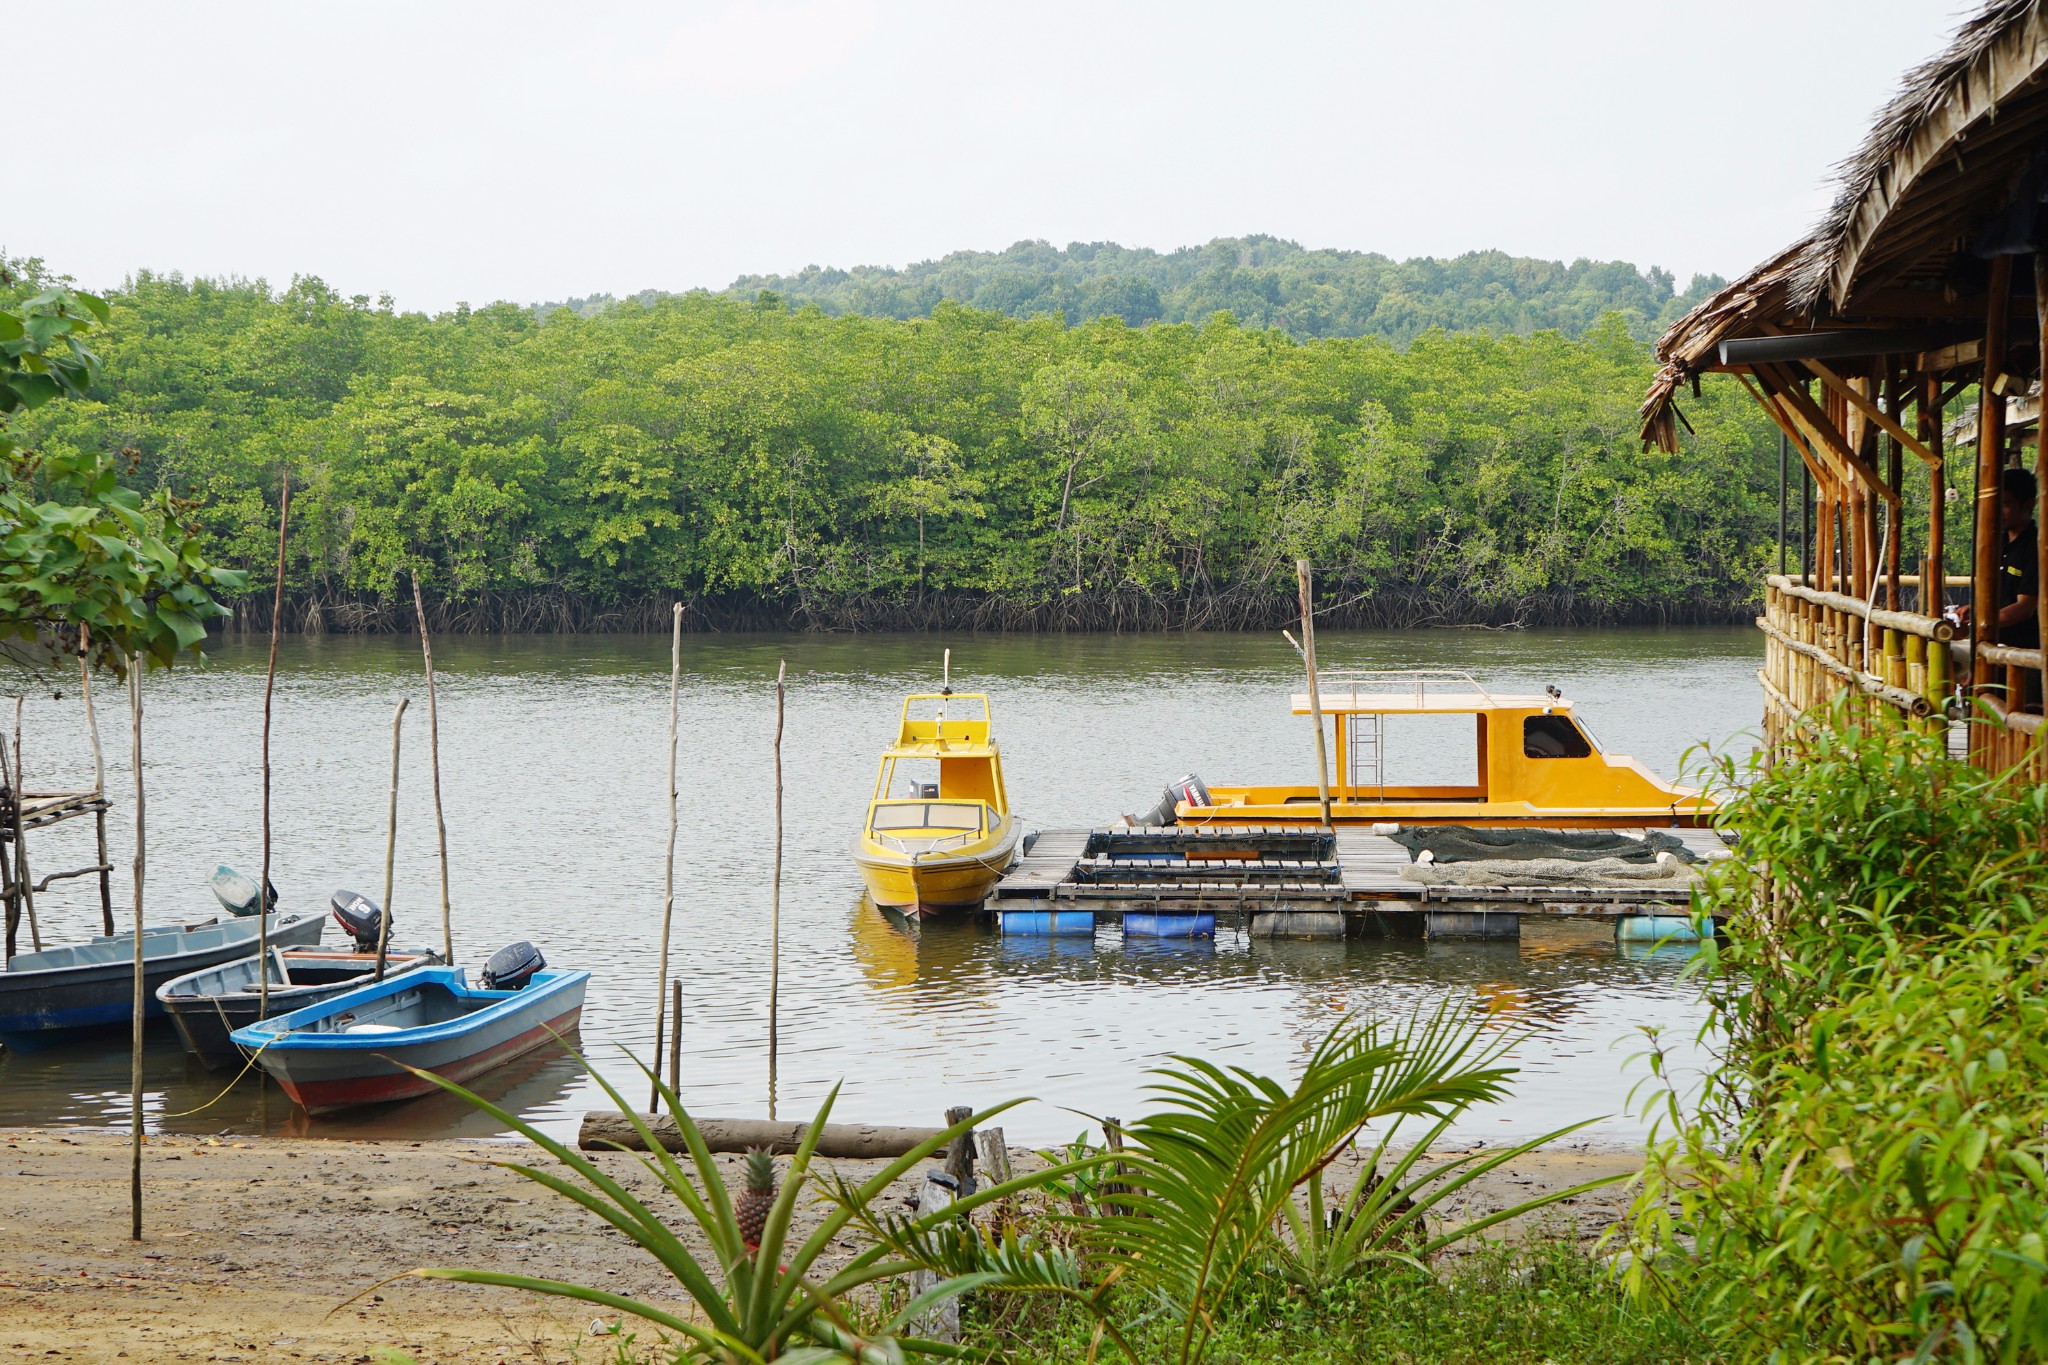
{"x": 963, "y": 815}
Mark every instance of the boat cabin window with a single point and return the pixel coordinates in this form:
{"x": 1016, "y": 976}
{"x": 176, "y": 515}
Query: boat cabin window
{"x": 963, "y": 815}
{"x": 1552, "y": 737}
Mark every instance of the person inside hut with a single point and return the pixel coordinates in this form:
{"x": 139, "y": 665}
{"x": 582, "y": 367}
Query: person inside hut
{"x": 2019, "y": 571}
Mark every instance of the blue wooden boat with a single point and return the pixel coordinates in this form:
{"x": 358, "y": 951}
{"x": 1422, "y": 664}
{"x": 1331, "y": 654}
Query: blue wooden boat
{"x": 208, "y": 1005}
{"x": 47, "y": 996}
{"x": 353, "y": 1049}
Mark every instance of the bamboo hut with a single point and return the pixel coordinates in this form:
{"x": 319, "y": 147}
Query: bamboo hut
{"x": 1898, "y": 349}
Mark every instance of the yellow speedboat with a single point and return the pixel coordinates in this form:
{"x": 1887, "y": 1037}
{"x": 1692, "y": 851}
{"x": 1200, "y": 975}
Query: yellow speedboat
{"x": 932, "y": 845}
{"x": 1527, "y": 761}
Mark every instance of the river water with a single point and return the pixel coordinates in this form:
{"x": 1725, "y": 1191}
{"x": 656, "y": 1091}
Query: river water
{"x": 554, "y": 757}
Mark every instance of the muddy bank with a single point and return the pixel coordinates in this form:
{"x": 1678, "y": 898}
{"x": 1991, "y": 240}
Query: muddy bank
{"x": 251, "y": 1248}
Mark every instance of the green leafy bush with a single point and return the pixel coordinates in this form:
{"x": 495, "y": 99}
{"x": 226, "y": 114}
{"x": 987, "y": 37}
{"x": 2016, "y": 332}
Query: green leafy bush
{"x": 1863, "y": 1178}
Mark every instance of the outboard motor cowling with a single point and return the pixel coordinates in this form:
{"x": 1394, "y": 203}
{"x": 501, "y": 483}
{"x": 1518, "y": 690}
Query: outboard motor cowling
{"x": 359, "y": 918}
{"x": 1190, "y": 789}
{"x": 512, "y": 966}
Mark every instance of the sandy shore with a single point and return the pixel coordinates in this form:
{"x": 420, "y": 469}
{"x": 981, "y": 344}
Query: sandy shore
{"x": 251, "y": 1246}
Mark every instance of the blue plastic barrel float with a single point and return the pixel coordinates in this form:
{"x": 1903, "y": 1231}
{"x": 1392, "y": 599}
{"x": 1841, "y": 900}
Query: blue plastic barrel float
{"x": 1047, "y": 922}
{"x": 1152, "y": 924}
{"x": 1661, "y": 929}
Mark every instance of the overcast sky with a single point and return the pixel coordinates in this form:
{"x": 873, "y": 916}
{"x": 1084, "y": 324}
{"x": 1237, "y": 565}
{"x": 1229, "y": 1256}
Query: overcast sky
{"x": 445, "y": 152}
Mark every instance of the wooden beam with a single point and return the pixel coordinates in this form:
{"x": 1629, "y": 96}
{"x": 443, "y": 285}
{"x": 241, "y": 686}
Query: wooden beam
{"x": 1823, "y": 431}
{"x": 1871, "y": 411}
{"x": 1816, "y": 466}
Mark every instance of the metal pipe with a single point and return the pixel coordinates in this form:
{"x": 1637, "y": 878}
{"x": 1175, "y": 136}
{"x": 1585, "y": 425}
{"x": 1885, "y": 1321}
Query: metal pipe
{"x": 1847, "y": 342}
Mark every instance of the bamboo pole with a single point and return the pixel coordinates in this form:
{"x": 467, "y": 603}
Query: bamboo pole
{"x": 1990, "y": 457}
{"x": 284, "y": 513}
{"x": 668, "y": 870}
{"x": 775, "y": 895}
{"x": 419, "y": 607}
{"x": 2041, "y": 462}
{"x": 390, "y": 842}
{"x": 99, "y": 780}
{"x": 1304, "y": 580}
{"x": 1933, "y": 589}
{"x": 139, "y": 1002}
{"x": 28, "y": 885}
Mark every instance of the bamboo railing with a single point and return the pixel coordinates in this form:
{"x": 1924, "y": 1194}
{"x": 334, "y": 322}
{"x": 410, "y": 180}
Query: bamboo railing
{"x": 1819, "y": 645}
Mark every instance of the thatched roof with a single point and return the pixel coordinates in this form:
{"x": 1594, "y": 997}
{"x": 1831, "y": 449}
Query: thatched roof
{"x": 1940, "y": 161}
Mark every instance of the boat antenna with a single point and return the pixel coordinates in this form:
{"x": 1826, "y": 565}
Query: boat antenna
{"x": 946, "y": 675}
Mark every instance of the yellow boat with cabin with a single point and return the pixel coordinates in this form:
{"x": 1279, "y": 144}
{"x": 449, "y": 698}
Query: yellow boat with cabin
{"x": 1530, "y": 759}
{"x": 938, "y": 833}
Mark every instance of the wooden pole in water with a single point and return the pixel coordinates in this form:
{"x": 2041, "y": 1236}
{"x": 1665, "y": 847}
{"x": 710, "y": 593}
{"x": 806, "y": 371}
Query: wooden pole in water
{"x": 99, "y": 781}
{"x": 18, "y": 878}
{"x": 775, "y": 894}
{"x": 419, "y": 607}
{"x": 390, "y": 843}
{"x": 668, "y": 872}
{"x": 284, "y": 512}
{"x": 135, "y": 1034}
{"x": 675, "y": 1041}
{"x": 1304, "y": 579}
{"x": 28, "y": 886}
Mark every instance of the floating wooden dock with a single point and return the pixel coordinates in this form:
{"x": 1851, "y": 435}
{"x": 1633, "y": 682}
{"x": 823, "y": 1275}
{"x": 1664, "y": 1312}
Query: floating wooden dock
{"x": 1292, "y": 883}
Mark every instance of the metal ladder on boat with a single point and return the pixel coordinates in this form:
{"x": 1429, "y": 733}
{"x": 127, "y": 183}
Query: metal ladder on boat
{"x": 1367, "y": 739}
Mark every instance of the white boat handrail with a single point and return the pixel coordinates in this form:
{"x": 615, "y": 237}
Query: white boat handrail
{"x": 1348, "y": 680}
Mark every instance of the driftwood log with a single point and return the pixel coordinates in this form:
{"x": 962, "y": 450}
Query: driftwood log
{"x": 850, "y": 1141}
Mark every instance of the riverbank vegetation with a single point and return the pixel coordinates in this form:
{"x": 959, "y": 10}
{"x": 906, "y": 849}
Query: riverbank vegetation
{"x": 779, "y": 467}
{"x": 1864, "y": 1177}
{"x": 1201, "y": 1232}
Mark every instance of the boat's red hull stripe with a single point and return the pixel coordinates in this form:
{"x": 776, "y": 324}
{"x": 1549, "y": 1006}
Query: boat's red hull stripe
{"x": 319, "y": 1096}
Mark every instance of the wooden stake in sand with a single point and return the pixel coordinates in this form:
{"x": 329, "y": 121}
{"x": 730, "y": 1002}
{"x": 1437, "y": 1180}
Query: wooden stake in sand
{"x": 775, "y": 895}
{"x": 668, "y": 876}
{"x": 135, "y": 1037}
{"x": 1315, "y": 693}
{"x": 99, "y": 781}
{"x": 284, "y": 512}
{"x": 419, "y": 607}
{"x": 390, "y": 842}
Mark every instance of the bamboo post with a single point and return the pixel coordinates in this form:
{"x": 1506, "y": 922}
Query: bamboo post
{"x": 434, "y": 762}
{"x": 1305, "y": 581}
{"x": 99, "y": 780}
{"x": 138, "y": 1003}
{"x": 28, "y": 885}
{"x": 1934, "y": 578}
{"x": 1990, "y": 457}
{"x": 775, "y": 893}
{"x": 284, "y": 513}
{"x": 2040, "y": 467}
{"x": 390, "y": 842}
{"x": 668, "y": 872}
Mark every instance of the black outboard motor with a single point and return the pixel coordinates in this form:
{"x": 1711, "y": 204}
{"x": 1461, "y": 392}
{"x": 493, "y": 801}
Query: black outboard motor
{"x": 359, "y": 918}
{"x": 1190, "y": 789}
{"x": 512, "y": 966}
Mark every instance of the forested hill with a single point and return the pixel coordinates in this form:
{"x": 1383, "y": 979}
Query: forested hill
{"x": 1262, "y": 281}
{"x": 780, "y": 467}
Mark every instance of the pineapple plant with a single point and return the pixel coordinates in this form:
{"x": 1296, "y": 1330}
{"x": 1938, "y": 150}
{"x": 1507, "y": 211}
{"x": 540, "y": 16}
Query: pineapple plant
{"x": 750, "y": 1210}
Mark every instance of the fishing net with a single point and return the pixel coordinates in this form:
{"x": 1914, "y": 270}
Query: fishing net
{"x": 1465, "y": 844}
{"x": 1550, "y": 872}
